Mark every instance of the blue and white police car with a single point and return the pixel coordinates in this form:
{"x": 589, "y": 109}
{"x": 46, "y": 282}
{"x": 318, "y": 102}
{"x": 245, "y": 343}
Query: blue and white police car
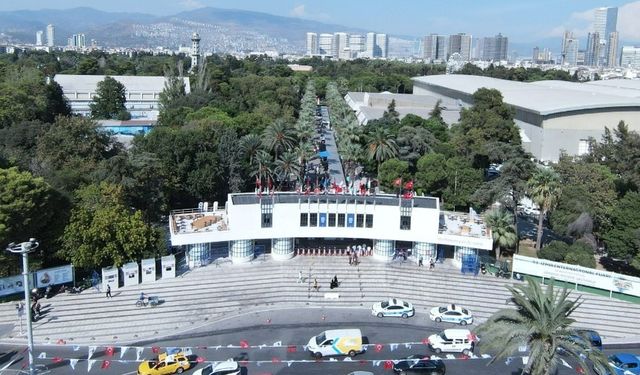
{"x": 393, "y": 307}
{"x": 452, "y": 314}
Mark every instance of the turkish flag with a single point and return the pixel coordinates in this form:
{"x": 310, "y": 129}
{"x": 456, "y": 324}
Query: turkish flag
{"x": 397, "y": 181}
{"x": 409, "y": 185}
{"x": 109, "y": 351}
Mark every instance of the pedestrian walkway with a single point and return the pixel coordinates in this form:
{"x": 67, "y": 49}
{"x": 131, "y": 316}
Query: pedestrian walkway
{"x": 209, "y": 294}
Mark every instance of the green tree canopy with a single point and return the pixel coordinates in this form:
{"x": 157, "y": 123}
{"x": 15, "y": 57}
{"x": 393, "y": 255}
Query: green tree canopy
{"x": 622, "y": 238}
{"x": 110, "y": 99}
{"x": 501, "y": 224}
{"x": 390, "y": 171}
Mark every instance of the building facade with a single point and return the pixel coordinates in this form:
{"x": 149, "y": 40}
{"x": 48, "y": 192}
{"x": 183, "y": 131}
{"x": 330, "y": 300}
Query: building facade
{"x": 284, "y": 219}
{"x": 371, "y": 45}
{"x": 461, "y": 44}
{"x": 570, "y": 47}
{"x": 495, "y": 48}
{"x": 381, "y": 46}
{"x": 630, "y": 57}
{"x": 39, "y": 35}
{"x": 605, "y": 23}
{"x": 195, "y": 51}
{"x": 312, "y": 44}
{"x": 51, "y": 35}
{"x": 592, "y": 53}
{"x": 340, "y": 48}
{"x": 612, "y": 49}
{"x": 357, "y": 45}
{"x": 325, "y": 44}
{"x": 435, "y": 48}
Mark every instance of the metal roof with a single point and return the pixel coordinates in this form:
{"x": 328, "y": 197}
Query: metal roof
{"x": 287, "y": 197}
{"x": 88, "y": 83}
{"x": 543, "y": 97}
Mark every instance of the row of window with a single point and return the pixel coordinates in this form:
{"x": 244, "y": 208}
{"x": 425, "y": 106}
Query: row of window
{"x": 336, "y": 220}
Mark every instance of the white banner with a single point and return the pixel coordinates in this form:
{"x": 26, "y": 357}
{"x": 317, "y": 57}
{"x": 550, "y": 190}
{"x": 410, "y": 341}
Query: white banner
{"x": 13, "y": 284}
{"x": 54, "y": 276}
{"x": 577, "y": 275}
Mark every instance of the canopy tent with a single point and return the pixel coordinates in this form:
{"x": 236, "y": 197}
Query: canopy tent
{"x": 323, "y": 154}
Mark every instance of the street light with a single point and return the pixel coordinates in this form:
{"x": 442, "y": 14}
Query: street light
{"x": 25, "y": 248}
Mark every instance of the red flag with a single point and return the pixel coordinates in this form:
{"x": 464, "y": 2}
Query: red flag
{"x": 244, "y": 344}
{"x": 57, "y": 359}
{"x": 409, "y": 185}
{"x": 109, "y": 351}
{"x": 407, "y": 195}
{"x": 397, "y": 181}
{"x": 388, "y": 365}
{"x": 155, "y": 349}
{"x": 105, "y": 364}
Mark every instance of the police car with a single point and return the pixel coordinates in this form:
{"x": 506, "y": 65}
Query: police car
{"x": 393, "y": 307}
{"x": 451, "y": 314}
{"x": 223, "y": 368}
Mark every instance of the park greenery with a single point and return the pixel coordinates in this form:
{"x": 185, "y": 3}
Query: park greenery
{"x": 249, "y": 123}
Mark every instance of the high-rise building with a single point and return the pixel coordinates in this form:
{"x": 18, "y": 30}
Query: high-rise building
{"x": 630, "y": 57}
{"x": 495, "y": 48}
{"x": 382, "y": 46}
{"x": 340, "y": 42}
{"x": 605, "y": 22}
{"x": 592, "y": 53}
{"x": 50, "y": 35}
{"x": 357, "y": 44}
{"x": 312, "y": 44}
{"x": 435, "y": 47}
{"x": 39, "y": 35}
{"x": 535, "y": 56}
{"x": 612, "y": 49}
{"x": 570, "y": 46}
{"x": 325, "y": 44}
{"x": 77, "y": 41}
{"x": 461, "y": 44}
{"x": 371, "y": 45}
{"x": 195, "y": 51}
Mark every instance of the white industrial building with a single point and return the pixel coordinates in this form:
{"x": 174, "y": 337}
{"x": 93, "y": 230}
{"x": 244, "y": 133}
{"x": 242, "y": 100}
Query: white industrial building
{"x": 142, "y": 93}
{"x": 282, "y": 219}
{"x": 553, "y": 116}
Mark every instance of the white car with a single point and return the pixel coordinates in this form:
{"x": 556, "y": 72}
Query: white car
{"x": 393, "y": 307}
{"x": 221, "y": 368}
{"x": 451, "y": 314}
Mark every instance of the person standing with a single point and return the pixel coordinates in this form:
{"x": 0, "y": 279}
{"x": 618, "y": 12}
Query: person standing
{"x": 108, "y": 294}
{"x": 300, "y": 277}
{"x": 315, "y": 285}
{"x": 420, "y": 261}
{"x": 432, "y": 264}
{"x": 350, "y": 260}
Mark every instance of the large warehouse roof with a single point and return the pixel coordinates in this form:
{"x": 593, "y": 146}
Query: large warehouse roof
{"x": 543, "y": 97}
{"x": 86, "y": 83}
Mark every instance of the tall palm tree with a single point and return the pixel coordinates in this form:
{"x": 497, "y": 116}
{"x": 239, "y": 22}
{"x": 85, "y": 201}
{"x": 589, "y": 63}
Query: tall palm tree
{"x": 278, "y": 137}
{"x": 381, "y": 146}
{"x": 542, "y": 322}
{"x": 501, "y": 224}
{"x": 350, "y": 154}
{"x": 286, "y": 166}
{"x": 544, "y": 190}
{"x": 250, "y": 144}
{"x": 262, "y": 166}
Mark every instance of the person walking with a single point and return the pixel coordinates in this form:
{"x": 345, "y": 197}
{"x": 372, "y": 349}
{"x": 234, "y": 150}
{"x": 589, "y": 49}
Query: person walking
{"x": 315, "y": 285}
{"x": 350, "y": 260}
{"x": 420, "y": 261}
{"x": 300, "y": 277}
{"x": 432, "y": 264}
{"x": 108, "y": 294}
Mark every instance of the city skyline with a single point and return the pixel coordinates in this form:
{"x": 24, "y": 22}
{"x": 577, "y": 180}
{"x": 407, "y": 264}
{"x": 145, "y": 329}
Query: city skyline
{"x": 409, "y": 18}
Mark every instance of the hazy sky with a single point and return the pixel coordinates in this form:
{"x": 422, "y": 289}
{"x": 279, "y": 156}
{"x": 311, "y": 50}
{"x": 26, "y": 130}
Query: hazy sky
{"x": 518, "y": 19}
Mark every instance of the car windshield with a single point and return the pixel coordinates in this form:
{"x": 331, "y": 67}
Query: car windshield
{"x": 443, "y": 336}
{"x": 465, "y": 311}
{"x": 384, "y": 304}
{"x": 320, "y": 339}
{"x": 406, "y": 305}
{"x": 442, "y": 309}
{"x": 207, "y": 370}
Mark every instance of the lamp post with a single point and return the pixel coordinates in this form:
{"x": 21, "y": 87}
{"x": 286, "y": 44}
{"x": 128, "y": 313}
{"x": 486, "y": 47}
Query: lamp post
{"x": 25, "y": 248}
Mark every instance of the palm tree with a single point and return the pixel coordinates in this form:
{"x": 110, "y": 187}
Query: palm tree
{"x": 501, "y": 224}
{"x": 286, "y": 166}
{"x": 262, "y": 169}
{"x": 544, "y": 189}
{"x": 250, "y": 144}
{"x": 350, "y": 154}
{"x": 278, "y": 137}
{"x": 542, "y": 322}
{"x": 381, "y": 146}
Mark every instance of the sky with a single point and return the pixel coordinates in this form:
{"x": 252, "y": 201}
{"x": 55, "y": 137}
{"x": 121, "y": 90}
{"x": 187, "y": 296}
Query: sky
{"x": 520, "y": 20}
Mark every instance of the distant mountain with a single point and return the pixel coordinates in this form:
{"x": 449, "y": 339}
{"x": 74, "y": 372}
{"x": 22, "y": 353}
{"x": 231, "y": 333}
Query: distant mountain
{"x": 221, "y": 30}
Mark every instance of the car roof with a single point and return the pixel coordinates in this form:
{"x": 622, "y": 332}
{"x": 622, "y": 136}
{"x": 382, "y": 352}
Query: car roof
{"x": 226, "y": 365}
{"x": 333, "y": 333}
{"x": 396, "y": 301}
{"x": 627, "y": 357}
{"x": 457, "y": 332}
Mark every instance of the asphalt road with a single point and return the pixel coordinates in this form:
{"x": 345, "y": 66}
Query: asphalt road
{"x": 274, "y": 349}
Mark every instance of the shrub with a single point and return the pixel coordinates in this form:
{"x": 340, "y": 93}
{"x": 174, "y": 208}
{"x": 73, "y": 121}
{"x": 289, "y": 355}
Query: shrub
{"x": 555, "y": 251}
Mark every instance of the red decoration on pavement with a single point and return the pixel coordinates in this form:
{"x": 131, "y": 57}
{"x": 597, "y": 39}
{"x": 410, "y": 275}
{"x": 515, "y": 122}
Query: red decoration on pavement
{"x": 105, "y": 364}
{"x": 61, "y": 342}
{"x": 155, "y": 349}
{"x": 109, "y": 351}
{"x": 378, "y": 348}
{"x": 464, "y": 357}
{"x": 388, "y": 365}
{"x": 579, "y": 370}
{"x": 244, "y": 344}
{"x": 291, "y": 349}
{"x": 57, "y": 359}
{"x": 275, "y": 360}
{"x": 425, "y": 341}
{"x": 199, "y": 359}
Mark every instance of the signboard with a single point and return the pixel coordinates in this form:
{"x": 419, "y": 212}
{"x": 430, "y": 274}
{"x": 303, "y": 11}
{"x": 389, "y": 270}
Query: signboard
{"x": 323, "y": 220}
{"x": 577, "y": 275}
{"x": 483, "y": 243}
{"x": 54, "y": 276}
{"x": 13, "y": 284}
{"x": 148, "y": 270}
{"x": 351, "y": 221}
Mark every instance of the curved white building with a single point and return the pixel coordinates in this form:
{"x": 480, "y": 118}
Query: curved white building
{"x": 285, "y": 218}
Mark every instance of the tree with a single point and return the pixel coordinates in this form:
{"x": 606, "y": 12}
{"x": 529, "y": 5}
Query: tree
{"x": 391, "y": 170}
{"x": 110, "y": 99}
{"x": 581, "y": 254}
{"x": 462, "y": 181}
{"x": 381, "y": 147}
{"x": 542, "y": 322}
{"x": 413, "y": 143}
{"x": 431, "y": 175}
{"x": 544, "y": 189}
{"x": 555, "y": 251}
{"x": 103, "y": 231}
{"x": 622, "y": 238}
{"x": 391, "y": 113}
{"x": 278, "y": 137}
{"x": 286, "y": 166}
{"x": 501, "y": 224}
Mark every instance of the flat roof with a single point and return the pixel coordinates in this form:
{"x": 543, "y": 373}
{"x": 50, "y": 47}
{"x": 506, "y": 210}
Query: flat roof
{"x": 543, "y": 97}
{"x": 88, "y": 83}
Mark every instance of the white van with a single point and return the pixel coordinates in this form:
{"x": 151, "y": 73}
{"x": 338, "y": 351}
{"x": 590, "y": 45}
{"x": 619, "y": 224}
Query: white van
{"x": 452, "y": 340}
{"x": 336, "y": 342}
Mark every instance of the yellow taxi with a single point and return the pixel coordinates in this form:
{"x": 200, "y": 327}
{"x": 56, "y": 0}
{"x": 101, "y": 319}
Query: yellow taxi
{"x": 165, "y": 364}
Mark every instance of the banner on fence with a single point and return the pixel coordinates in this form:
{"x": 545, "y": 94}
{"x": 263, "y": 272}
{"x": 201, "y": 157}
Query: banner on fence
{"x": 570, "y": 273}
{"x": 54, "y": 276}
{"x": 13, "y": 284}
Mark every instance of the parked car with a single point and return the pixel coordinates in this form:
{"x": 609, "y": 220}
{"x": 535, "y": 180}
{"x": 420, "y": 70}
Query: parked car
{"x": 452, "y": 340}
{"x": 419, "y": 364}
{"x": 622, "y": 364}
{"x": 165, "y": 364}
{"x": 452, "y": 314}
{"x": 393, "y": 307}
{"x": 223, "y": 368}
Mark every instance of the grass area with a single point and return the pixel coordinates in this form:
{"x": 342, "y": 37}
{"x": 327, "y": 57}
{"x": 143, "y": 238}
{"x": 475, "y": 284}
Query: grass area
{"x": 528, "y": 248}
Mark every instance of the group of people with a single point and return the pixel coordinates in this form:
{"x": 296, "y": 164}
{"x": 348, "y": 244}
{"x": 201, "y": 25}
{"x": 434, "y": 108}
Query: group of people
{"x": 432, "y": 263}
{"x": 334, "y": 283}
